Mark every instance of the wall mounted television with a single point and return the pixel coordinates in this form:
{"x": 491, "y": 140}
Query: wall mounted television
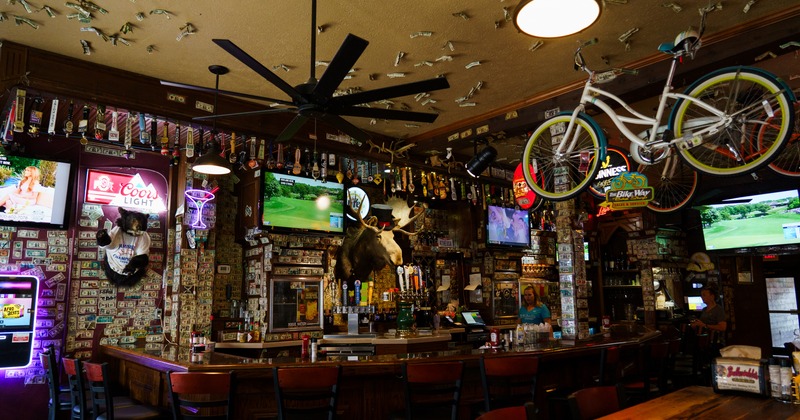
{"x": 35, "y": 192}
{"x": 507, "y": 227}
{"x": 770, "y": 219}
{"x": 294, "y": 202}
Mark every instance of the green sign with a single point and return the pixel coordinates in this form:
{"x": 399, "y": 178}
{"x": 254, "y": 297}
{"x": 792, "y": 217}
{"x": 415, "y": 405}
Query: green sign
{"x": 628, "y": 190}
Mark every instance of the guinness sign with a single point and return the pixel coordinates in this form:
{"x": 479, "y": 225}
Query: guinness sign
{"x": 616, "y": 162}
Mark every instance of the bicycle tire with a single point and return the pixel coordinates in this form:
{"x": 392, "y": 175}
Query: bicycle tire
{"x": 563, "y": 177}
{"x": 735, "y": 89}
{"x": 674, "y": 188}
{"x": 787, "y": 163}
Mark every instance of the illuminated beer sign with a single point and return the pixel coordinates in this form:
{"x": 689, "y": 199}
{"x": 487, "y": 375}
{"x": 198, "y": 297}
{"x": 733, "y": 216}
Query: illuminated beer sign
{"x": 123, "y": 190}
{"x": 616, "y": 162}
{"x": 524, "y": 196}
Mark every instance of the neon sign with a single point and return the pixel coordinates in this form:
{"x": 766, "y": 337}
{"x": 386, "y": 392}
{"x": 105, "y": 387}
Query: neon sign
{"x": 197, "y": 200}
{"x": 123, "y": 190}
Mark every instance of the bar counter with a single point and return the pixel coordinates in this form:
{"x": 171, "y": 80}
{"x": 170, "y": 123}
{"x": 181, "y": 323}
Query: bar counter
{"x": 701, "y": 402}
{"x": 371, "y": 386}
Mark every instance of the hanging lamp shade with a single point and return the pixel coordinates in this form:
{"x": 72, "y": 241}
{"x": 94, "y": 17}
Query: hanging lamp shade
{"x": 555, "y": 18}
{"x": 212, "y": 163}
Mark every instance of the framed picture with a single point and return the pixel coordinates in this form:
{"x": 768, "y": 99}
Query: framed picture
{"x": 744, "y": 270}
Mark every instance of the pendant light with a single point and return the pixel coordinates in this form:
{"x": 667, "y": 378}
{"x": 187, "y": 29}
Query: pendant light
{"x": 555, "y": 18}
{"x": 481, "y": 161}
{"x": 211, "y": 163}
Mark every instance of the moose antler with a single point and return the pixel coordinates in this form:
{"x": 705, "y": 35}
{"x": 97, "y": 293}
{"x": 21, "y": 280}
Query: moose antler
{"x": 400, "y": 208}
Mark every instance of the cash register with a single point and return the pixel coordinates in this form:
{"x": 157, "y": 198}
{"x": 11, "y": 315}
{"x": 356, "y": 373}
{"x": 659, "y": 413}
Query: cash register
{"x": 475, "y": 327}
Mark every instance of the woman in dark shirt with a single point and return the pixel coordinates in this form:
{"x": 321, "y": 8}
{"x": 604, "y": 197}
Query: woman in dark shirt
{"x": 713, "y": 316}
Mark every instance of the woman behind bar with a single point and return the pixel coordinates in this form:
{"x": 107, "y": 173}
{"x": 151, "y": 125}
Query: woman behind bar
{"x": 533, "y": 311}
{"x": 713, "y": 316}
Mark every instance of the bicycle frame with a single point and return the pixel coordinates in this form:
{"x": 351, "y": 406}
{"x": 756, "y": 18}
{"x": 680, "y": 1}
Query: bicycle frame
{"x": 592, "y": 95}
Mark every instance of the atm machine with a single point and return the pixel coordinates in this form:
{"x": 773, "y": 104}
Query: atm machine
{"x": 17, "y": 319}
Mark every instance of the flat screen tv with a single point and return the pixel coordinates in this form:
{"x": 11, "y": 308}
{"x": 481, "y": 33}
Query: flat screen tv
{"x": 770, "y": 219}
{"x": 507, "y": 227}
{"x": 294, "y": 202}
{"x": 34, "y": 192}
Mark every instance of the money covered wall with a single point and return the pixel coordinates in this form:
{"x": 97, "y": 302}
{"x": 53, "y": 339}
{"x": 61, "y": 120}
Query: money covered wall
{"x": 78, "y": 308}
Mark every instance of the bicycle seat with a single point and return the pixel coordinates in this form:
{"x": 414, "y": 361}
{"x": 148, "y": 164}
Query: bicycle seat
{"x": 685, "y": 42}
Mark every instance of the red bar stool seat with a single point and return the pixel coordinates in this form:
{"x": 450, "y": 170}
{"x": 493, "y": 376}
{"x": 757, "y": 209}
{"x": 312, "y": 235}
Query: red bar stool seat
{"x": 306, "y": 393}
{"x": 104, "y": 406}
{"x": 201, "y": 395}
{"x": 59, "y": 395}
{"x": 516, "y": 412}
{"x": 432, "y": 390}
{"x": 597, "y": 401}
{"x": 508, "y": 381}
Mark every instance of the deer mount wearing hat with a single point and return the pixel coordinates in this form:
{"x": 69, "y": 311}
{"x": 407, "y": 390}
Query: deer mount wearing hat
{"x": 371, "y": 244}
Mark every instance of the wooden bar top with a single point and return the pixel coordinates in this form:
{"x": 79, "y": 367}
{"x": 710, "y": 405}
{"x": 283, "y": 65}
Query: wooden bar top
{"x": 701, "y": 402}
{"x": 178, "y": 358}
{"x": 371, "y": 386}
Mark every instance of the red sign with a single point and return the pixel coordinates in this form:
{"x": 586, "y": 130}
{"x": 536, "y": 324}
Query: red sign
{"x": 522, "y": 193}
{"x": 123, "y": 190}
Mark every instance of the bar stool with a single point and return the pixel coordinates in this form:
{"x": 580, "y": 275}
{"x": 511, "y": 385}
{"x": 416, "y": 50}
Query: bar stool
{"x": 433, "y": 390}
{"x": 307, "y": 392}
{"x": 74, "y": 370}
{"x": 517, "y": 412}
{"x": 107, "y": 407}
{"x": 597, "y": 401}
{"x": 650, "y": 381}
{"x": 201, "y": 395}
{"x": 609, "y": 366}
{"x": 608, "y": 374}
{"x": 508, "y": 381}
{"x": 59, "y": 395}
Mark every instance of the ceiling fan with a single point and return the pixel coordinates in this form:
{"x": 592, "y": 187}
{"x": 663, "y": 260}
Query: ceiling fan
{"x": 314, "y": 98}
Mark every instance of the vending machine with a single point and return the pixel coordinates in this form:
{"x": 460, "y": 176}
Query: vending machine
{"x": 17, "y": 319}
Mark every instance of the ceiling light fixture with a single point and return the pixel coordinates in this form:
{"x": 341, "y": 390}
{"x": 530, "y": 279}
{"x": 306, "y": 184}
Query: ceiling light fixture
{"x": 481, "y": 161}
{"x": 211, "y": 163}
{"x": 555, "y": 18}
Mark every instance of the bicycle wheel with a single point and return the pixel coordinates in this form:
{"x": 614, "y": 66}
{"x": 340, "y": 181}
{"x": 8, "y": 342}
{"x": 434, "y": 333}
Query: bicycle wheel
{"x": 561, "y": 176}
{"x": 754, "y": 101}
{"x": 787, "y": 163}
{"x": 674, "y": 183}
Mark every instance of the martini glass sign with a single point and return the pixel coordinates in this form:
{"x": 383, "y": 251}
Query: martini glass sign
{"x": 197, "y": 200}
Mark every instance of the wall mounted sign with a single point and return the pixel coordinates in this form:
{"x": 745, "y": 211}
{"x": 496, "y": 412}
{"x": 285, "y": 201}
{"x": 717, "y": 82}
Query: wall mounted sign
{"x": 628, "y": 190}
{"x": 123, "y": 190}
{"x": 356, "y": 197}
{"x": 524, "y": 196}
{"x": 195, "y": 203}
{"x": 616, "y": 162}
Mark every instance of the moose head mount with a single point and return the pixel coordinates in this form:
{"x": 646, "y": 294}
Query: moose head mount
{"x": 370, "y": 245}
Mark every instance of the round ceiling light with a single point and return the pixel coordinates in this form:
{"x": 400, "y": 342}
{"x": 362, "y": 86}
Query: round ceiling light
{"x": 555, "y": 18}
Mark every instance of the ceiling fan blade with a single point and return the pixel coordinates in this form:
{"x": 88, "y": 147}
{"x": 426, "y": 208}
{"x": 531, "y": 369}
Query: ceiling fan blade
{"x": 386, "y": 114}
{"x": 342, "y": 62}
{"x": 340, "y": 123}
{"x": 390, "y": 92}
{"x": 292, "y": 128}
{"x": 259, "y": 68}
{"x": 223, "y": 92}
{"x": 246, "y": 113}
